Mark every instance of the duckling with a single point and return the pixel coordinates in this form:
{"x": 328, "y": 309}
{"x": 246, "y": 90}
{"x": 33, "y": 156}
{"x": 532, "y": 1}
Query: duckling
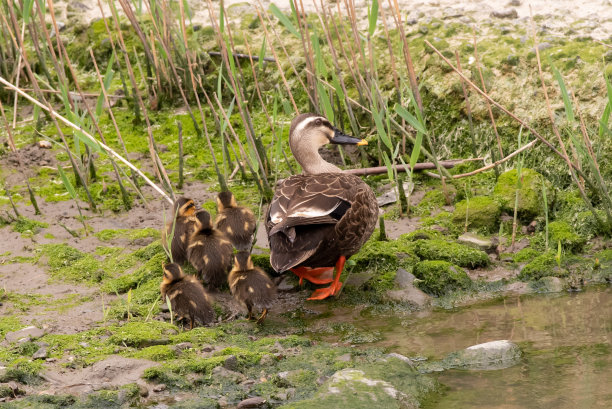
{"x": 184, "y": 210}
{"x": 187, "y": 297}
{"x": 251, "y": 285}
{"x": 209, "y": 251}
{"x": 236, "y": 222}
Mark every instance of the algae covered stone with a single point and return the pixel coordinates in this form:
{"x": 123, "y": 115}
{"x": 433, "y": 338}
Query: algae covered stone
{"x": 482, "y": 212}
{"x": 530, "y": 198}
{"x": 455, "y": 253}
{"x": 562, "y": 232}
{"x": 438, "y": 277}
{"x": 542, "y": 266}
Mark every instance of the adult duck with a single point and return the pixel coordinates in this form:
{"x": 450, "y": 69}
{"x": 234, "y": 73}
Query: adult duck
{"x": 322, "y": 217}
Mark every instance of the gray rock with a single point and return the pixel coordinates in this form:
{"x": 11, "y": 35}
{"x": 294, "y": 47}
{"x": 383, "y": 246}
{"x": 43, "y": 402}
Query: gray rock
{"x": 159, "y": 387}
{"x": 508, "y": 13}
{"x": 351, "y": 385}
{"x": 423, "y": 30}
{"x": 356, "y": 280}
{"x": 267, "y": 360}
{"x": 255, "y": 402}
{"x": 542, "y": 46}
{"x": 401, "y": 358}
{"x": 514, "y": 3}
{"x": 231, "y": 363}
{"x": 221, "y": 372}
{"x": 407, "y": 292}
{"x": 222, "y": 402}
{"x": 344, "y": 358}
{"x": 286, "y": 284}
{"x": 27, "y": 333}
{"x": 411, "y": 21}
{"x": 490, "y": 355}
{"x": 182, "y": 346}
{"x": 549, "y": 285}
{"x": 476, "y": 241}
{"x": 41, "y": 353}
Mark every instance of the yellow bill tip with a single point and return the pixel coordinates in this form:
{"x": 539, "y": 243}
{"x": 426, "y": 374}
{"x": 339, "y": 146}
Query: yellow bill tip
{"x": 362, "y": 142}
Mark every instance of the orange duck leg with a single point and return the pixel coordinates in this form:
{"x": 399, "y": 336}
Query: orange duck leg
{"x": 312, "y": 274}
{"x": 323, "y": 293}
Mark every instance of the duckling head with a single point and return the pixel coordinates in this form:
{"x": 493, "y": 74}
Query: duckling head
{"x": 308, "y": 133}
{"x": 242, "y": 261}
{"x": 184, "y": 207}
{"x": 172, "y": 272}
{"x": 203, "y": 221}
{"x": 226, "y": 200}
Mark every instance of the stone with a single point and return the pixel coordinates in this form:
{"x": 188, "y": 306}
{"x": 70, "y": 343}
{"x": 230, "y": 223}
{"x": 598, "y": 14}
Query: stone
{"x": 542, "y": 46}
{"x": 530, "y": 193}
{"x": 549, "y": 285}
{"x": 222, "y": 402}
{"x": 401, "y": 358}
{"x": 478, "y": 242}
{"x": 507, "y": 13}
{"x": 182, "y": 346}
{"x": 231, "y": 363}
{"x": 159, "y": 387}
{"x": 255, "y": 402}
{"x": 221, "y": 372}
{"x": 143, "y": 391}
{"x": 423, "y": 30}
{"x": 285, "y": 284}
{"x": 407, "y": 292}
{"x": 514, "y": 3}
{"x": 267, "y": 360}
{"x": 344, "y": 357}
{"x": 482, "y": 213}
{"x": 160, "y": 406}
{"x": 27, "y": 333}
{"x": 41, "y": 353}
{"x": 498, "y": 354}
{"x": 348, "y": 386}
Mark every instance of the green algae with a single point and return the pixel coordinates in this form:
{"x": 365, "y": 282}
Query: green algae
{"x": 28, "y": 227}
{"x": 438, "y": 277}
{"x": 564, "y": 233}
{"x": 530, "y": 200}
{"x": 542, "y": 266}
{"x": 69, "y": 264}
{"x": 455, "y": 253}
{"x": 433, "y": 200}
{"x": 132, "y": 235}
{"x": 481, "y": 212}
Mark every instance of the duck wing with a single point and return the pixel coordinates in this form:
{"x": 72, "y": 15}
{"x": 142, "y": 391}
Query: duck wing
{"x": 305, "y": 210}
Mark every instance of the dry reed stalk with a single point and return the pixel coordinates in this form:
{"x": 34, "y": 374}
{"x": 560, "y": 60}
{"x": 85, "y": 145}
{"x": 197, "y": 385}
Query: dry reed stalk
{"x": 11, "y": 141}
{"x": 239, "y": 99}
{"x": 102, "y": 145}
{"x": 484, "y": 88}
{"x": 378, "y": 170}
{"x": 222, "y": 182}
{"x": 240, "y": 147}
{"x": 17, "y": 80}
{"x": 467, "y": 105}
{"x": 112, "y": 116}
{"x": 287, "y": 55}
{"x": 397, "y": 16}
{"x": 280, "y": 68}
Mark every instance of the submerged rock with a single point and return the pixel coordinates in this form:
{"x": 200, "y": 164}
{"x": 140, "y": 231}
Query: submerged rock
{"x": 490, "y": 355}
{"x": 406, "y": 291}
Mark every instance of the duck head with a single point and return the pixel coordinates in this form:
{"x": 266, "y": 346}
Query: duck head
{"x": 308, "y": 133}
{"x": 203, "y": 221}
{"x": 184, "y": 207}
{"x": 226, "y": 200}
{"x": 172, "y": 273}
{"x": 242, "y": 261}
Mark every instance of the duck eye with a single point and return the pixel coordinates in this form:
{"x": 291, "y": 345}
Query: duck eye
{"x": 318, "y": 122}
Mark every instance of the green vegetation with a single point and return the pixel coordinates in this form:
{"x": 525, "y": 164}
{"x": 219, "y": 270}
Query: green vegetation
{"x": 439, "y": 277}
{"x": 455, "y": 253}
{"x": 481, "y": 212}
{"x": 530, "y": 194}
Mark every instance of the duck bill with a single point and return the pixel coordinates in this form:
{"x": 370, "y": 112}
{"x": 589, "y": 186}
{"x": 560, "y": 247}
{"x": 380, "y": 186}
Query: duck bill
{"x": 344, "y": 139}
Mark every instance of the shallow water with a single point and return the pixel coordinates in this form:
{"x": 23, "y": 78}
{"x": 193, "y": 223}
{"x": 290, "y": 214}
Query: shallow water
{"x": 566, "y": 340}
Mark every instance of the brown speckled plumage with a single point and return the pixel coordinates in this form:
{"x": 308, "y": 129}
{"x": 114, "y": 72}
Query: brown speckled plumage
{"x": 345, "y": 214}
{"x": 184, "y": 209}
{"x": 236, "y": 222}
{"x": 210, "y": 251}
{"x": 251, "y": 285}
{"x": 188, "y": 298}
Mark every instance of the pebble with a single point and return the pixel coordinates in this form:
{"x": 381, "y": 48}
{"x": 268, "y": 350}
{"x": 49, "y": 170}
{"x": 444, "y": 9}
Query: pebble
{"x": 231, "y": 363}
{"x": 255, "y": 402}
{"x": 27, "y": 333}
{"x": 508, "y": 13}
{"x": 159, "y": 388}
{"x": 41, "y": 353}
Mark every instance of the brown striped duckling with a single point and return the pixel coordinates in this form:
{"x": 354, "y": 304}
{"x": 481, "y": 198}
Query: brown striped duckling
{"x": 188, "y": 298}
{"x": 209, "y": 251}
{"x": 236, "y": 222}
{"x": 184, "y": 210}
{"x": 251, "y": 286}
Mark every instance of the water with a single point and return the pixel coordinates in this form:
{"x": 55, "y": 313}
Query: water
{"x": 566, "y": 340}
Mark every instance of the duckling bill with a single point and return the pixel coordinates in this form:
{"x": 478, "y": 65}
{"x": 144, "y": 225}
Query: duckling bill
{"x": 183, "y": 214}
{"x": 320, "y": 218}
{"x": 187, "y": 297}
{"x": 210, "y": 251}
{"x": 236, "y": 222}
{"x": 251, "y": 286}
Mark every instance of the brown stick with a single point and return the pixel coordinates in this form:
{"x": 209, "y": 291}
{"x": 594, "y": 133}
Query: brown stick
{"x": 377, "y": 170}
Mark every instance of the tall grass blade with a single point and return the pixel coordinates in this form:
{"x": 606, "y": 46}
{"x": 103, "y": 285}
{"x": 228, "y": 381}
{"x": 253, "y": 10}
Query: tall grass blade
{"x": 283, "y": 19}
{"x": 569, "y": 111}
